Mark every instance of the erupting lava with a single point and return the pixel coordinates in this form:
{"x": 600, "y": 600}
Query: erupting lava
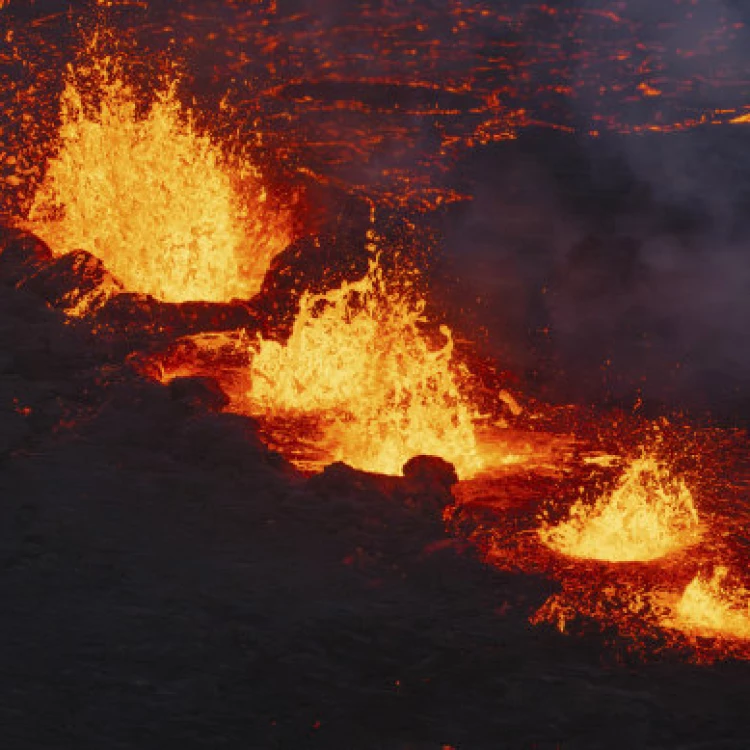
{"x": 649, "y": 514}
{"x": 161, "y": 204}
{"x": 364, "y": 377}
{"x": 709, "y": 607}
{"x": 358, "y": 356}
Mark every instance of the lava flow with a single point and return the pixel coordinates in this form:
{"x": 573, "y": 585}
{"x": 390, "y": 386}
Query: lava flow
{"x": 168, "y": 211}
{"x": 648, "y": 515}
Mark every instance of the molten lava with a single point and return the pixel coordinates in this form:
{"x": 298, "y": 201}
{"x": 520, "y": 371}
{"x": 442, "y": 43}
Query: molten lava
{"x": 363, "y": 378}
{"x": 649, "y": 514}
{"x": 161, "y": 204}
{"x": 711, "y": 607}
{"x": 358, "y": 355}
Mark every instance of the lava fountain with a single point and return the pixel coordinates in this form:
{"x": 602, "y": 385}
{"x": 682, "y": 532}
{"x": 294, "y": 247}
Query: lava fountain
{"x": 360, "y": 356}
{"x": 711, "y": 607}
{"x": 168, "y": 211}
{"x": 648, "y": 515}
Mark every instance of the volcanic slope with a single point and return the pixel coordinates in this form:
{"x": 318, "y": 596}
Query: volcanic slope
{"x": 167, "y": 581}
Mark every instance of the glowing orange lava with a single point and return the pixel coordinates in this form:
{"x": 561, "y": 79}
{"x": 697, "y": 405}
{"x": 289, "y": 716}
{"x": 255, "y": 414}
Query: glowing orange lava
{"x": 359, "y": 356}
{"x": 649, "y": 514}
{"x": 161, "y": 204}
{"x": 712, "y": 607}
{"x": 364, "y": 377}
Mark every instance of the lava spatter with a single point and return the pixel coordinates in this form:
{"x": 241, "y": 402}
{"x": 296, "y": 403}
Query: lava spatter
{"x": 713, "y": 606}
{"x": 167, "y": 209}
{"x": 357, "y": 354}
{"x": 648, "y": 515}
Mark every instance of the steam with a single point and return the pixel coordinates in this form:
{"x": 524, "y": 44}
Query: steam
{"x": 630, "y": 249}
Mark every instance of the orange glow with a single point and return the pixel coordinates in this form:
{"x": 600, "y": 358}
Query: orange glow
{"x": 358, "y": 356}
{"x": 168, "y": 212}
{"x": 648, "y": 90}
{"x": 366, "y": 107}
{"x": 711, "y": 607}
{"x": 649, "y": 514}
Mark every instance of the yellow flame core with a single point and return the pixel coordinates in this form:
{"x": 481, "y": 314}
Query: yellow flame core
{"x": 648, "y": 515}
{"x": 154, "y": 199}
{"x": 357, "y": 353}
{"x": 709, "y": 606}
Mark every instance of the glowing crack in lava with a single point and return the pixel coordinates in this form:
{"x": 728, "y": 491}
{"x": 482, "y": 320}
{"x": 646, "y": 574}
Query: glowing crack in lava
{"x": 161, "y": 204}
{"x": 711, "y": 607}
{"x": 649, "y": 514}
{"x": 358, "y": 355}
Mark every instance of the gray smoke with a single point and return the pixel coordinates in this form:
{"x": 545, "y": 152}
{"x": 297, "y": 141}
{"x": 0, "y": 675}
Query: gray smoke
{"x": 633, "y": 250}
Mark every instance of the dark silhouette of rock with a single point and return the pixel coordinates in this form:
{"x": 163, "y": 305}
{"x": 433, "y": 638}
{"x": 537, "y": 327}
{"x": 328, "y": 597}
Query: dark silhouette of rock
{"x": 141, "y": 315}
{"x": 430, "y": 470}
{"x": 199, "y": 393}
{"x": 77, "y": 281}
{"x": 14, "y": 430}
{"x": 22, "y": 254}
{"x": 316, "y": 264}
{"x": 224, "y": 441}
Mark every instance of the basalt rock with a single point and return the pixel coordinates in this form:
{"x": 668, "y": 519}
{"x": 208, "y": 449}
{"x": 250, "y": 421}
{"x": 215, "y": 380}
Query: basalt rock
{"x": 315, "y": 264}
{"x": 199, "y": 393}
{"x": 143, "y": 315}
{"x": 425, "y": 486}
{"x": 22, "y": 255}
{"x": 430, "y": 471}
{"x": 14, "y": 430}
{"x": 225, "y": 441}
{"x": 80, "y": 284}
{"x": 76, "y": 282}
{"x": 341, "y": 478}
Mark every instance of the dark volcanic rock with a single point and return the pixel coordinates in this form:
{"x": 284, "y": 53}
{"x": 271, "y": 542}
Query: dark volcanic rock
{"x": 200, "y": 393}
{"x": 79, "y": 282}
{"x": 134, "y": 311}
{"x": 340, "y": 477}
{"x": 22, "y": 254}
{"x": 142, "y": 317}
{"x": 427, "y": 483}
{"x": 14, "y": 430}
{"x": 167, "y": 582}
{"x": 37, "y": 345}
{"x": 224, "y": 441}
{"x": 314, "y": 264}
{"x": 430, "y": 471}
{"x": 72, "y": 280}
{"x": 425, "y": 486}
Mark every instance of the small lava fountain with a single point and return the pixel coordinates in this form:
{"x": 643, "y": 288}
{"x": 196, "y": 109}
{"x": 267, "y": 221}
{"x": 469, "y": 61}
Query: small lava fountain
{"x": 711, "y": 607}
{"x": 359, "y": 354}
{"x": 165, "y": 208}
{"x": 648, "y": 515}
